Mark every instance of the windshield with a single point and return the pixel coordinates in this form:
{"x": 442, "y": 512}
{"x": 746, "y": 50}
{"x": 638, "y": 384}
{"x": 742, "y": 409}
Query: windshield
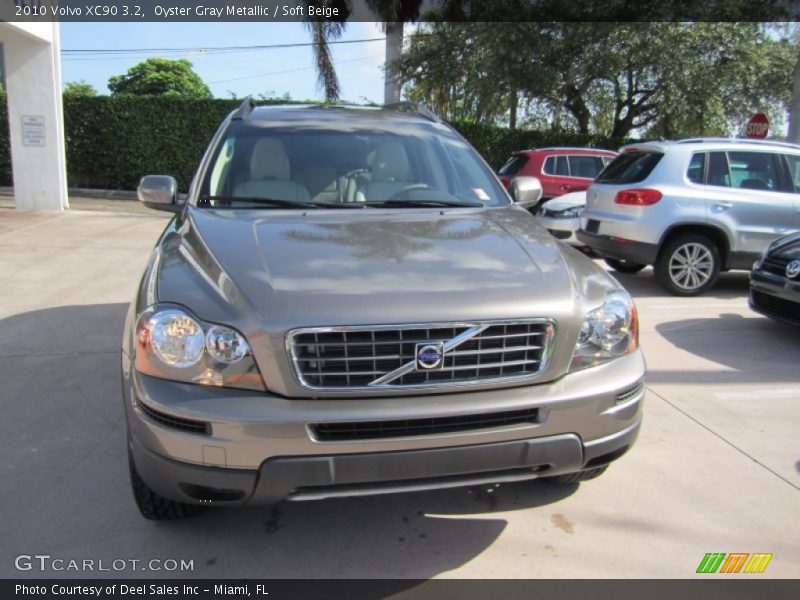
{"x": 346, "y": 163}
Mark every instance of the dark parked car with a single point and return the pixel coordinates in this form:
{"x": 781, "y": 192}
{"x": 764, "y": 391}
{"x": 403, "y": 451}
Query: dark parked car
{"x": 775, "y": 280}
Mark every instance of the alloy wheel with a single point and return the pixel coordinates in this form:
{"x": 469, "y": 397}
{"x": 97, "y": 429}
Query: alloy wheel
{"x": 691, "y": 266}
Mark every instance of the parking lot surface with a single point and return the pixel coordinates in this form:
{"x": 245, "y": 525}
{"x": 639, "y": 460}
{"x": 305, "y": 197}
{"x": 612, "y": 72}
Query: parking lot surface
{"x": 716, "y": 467}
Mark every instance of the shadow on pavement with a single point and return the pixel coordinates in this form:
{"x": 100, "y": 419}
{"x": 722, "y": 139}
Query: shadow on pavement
{"x": 729, "y": 340}
{"x": 66, "y": 490}
{"x": 734, "y": 284}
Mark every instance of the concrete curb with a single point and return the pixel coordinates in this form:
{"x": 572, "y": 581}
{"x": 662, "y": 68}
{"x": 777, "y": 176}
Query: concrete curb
{"x": 92, "y": 193}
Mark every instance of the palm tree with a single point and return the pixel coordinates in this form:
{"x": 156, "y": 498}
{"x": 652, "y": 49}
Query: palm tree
{"x": 324, "y": 31}
{"x": 393, "y": 13}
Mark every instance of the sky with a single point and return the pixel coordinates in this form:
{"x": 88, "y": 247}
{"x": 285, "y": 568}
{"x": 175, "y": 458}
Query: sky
{"x": 272, "y": 72}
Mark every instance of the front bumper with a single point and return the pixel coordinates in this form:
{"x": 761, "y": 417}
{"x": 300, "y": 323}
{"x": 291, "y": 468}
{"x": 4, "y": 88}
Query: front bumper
{"x": 609, "y": 247}
{"x": 562, "y": 229}
{"x": 260, "y": 448}
{"x": 775, "y": 296}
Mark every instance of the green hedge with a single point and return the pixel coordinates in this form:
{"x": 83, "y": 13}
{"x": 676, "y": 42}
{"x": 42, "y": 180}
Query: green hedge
{"x": 5, "y": 151}
{"x": 113, "y": 141}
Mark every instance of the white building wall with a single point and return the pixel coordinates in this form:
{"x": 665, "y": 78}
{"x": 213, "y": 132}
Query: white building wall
{"x": 33, "y": 84}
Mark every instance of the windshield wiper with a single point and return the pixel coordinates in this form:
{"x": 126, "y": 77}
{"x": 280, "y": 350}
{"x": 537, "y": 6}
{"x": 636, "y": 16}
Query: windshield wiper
{"x": 271, "y": 202}
{"x": 425, "y": 203}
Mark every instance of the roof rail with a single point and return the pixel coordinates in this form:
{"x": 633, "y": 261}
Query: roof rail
{"x": 734, "y": 140}
{"x": 418, "y": 107}
{"x": 244, "y": 110}
{"x": 571, "y": 148}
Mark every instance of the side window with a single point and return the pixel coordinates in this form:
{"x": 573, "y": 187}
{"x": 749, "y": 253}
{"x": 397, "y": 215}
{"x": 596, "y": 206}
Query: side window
{"x": 696, "y": 167}
{"x": 562, "y": 168}
{"x": 549, "y": 166}
{"x": 793, "y": 163}
{"x": 753, "y": 170}
{"x": 718, "y": 170}
{"x": 584, "y": 166}
{"x": 221, "y": 167}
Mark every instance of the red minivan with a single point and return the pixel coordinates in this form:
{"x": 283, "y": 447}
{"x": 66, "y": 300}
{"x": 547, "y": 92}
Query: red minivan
{"x": 560, "y": 170}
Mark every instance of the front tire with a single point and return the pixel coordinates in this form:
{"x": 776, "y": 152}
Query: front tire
{"x": 155, "y": 507}
{"x": 624, "y": 266}
{"x": 688, "y": 265}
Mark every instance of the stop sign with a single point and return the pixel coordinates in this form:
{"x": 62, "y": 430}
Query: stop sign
{"x": 757, "y": 126}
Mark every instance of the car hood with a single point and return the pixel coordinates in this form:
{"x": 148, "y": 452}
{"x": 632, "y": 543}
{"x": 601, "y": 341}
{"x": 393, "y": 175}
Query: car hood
{"x": 567, "y": 201}
{"x": 787, "y": 246}
{"x": 350, "y": 267}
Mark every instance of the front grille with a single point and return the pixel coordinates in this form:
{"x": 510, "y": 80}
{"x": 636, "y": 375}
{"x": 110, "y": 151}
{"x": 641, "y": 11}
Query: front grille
{"x": 774, "y": 306}
{"x": 775, "y": 265}
{"x": 385, "y": 357}
{"x": 176, "y": 422}
{"x": 366, "y": 430}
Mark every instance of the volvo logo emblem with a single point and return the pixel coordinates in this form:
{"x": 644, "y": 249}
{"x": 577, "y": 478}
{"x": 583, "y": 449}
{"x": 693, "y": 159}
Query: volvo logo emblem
{"x": 429, "y": 355}
{"x": 793, "y": 269}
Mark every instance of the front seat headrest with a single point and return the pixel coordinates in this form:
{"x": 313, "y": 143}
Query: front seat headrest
{"x": 269, "y": 160}
{"x": 391, "y": 162}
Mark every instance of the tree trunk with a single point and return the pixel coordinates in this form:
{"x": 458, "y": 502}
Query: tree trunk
{"x": 394, "y": 47}
{"x": 794, "y": 109}
{"x": 574, "y": 103}
{"x": 512, "y": 110}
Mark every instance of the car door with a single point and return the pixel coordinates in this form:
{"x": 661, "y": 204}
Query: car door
{"x": 748, "y": 196}
{"x": 792, "y": 163}
{"x": 555, "y": 176}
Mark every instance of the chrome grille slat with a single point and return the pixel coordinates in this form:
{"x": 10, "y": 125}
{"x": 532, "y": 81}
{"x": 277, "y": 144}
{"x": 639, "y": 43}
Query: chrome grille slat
{"x": 384, "y": 357}
{"x": 495, "y": 350}
{"x": 409, "y": 341}
{"x": 495, "y": 365}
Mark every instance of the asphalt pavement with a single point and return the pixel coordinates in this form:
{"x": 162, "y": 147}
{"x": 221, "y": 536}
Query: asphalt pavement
{"x": 716, "y": 467}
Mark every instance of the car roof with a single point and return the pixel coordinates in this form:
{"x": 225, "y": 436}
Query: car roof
{"x": 319, "y": 114}
{"x": 565, "y": 150}
{"x": 694, "y": 144}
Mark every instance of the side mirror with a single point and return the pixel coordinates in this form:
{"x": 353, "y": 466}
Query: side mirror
{"x": 159, "y": 192}
{"x": 526, "y": 191}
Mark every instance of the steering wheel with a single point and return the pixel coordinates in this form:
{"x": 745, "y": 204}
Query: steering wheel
{"x": 409, "y": 188}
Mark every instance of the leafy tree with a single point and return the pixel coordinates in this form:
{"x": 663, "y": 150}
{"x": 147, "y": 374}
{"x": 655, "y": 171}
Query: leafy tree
{"x": 657, "y": 78}
{"x": 453, "y": 69}
{"x": 79, "y": 88}
{"x": 160, "y": 76}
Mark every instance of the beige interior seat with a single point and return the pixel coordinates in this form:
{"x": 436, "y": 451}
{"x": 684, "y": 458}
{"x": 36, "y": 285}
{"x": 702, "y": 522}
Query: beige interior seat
{"x": 270, "y": 174}
{"x": 391, "y": 172}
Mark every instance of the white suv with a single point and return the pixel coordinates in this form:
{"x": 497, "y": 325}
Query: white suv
{"x": 693, "y": 208}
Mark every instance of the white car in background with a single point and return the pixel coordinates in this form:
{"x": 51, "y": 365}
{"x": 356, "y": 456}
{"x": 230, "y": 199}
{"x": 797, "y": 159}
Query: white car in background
{"x": 562, "y": 218}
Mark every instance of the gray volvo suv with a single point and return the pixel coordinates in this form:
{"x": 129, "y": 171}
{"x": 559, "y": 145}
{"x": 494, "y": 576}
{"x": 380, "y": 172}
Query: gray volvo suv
{"x": 348, "y": 303}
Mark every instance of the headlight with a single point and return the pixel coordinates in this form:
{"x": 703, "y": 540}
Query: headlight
{"x": 173, "y": 344}
{"x": 571, "y": 213}
{"x": 608, "y": 332}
